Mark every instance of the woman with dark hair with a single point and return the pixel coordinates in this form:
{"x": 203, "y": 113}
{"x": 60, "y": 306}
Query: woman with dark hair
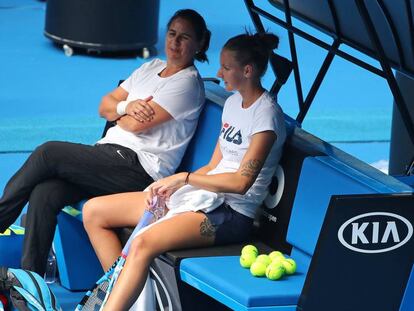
{"x": 155, "y": 111}
{"x": 228, "y": 190}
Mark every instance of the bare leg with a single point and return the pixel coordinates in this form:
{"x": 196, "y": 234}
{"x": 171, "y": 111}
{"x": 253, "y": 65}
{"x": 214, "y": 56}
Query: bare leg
{"x": 102, "y": 214}
{"x": 181, "y": 231}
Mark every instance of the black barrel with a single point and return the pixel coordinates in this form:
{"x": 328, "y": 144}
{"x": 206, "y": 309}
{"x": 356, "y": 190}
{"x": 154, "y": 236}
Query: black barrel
{"x": 103, "y": 25}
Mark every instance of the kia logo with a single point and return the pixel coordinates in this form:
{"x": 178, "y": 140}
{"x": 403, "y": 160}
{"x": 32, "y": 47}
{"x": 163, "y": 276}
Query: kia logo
{"x": 376, "y": 232}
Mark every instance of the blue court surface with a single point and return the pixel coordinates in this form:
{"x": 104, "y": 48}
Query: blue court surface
{"x": 46, "y": 95}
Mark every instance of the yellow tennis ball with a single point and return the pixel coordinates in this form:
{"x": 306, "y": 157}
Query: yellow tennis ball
{"x": 289, "y": 265}
{"x": 247, "y": 259}
{"x": 275, "y": 271}
{"x": 258, "y": 268}
{"x": 264, "y": 258}
{"x": 276, "y": 254}
{"x": 250, "y": 249}
{"x": 277, "y": 260}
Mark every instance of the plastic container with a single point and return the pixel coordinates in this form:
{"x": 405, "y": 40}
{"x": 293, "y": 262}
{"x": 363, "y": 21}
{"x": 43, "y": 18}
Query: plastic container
{"x": 51, "y": 266}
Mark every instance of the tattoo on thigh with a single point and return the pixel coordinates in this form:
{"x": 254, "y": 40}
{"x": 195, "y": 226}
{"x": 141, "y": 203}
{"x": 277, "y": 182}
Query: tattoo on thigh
{"x": 207, "y": 229}
{"x": 251, "y": 168}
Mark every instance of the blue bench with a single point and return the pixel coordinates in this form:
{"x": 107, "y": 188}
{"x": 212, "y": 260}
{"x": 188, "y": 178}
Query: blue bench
{"x": 321, "y": 177}
{"x": 314, "y": 173}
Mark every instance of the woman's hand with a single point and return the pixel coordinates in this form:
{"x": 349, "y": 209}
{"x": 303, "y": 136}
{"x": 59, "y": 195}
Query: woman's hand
{"x": 140, "y": 110}
{"x": 156, "y": 204}
{"x": 148, "y": 199}
{"x": 167, "y": 186}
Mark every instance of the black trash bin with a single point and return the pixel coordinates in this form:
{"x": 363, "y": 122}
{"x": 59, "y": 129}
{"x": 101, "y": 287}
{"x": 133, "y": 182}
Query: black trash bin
{"x": 103, "y": 25}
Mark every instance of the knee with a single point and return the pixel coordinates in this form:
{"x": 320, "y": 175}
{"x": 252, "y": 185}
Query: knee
{"x": 46, "y": 147}
{"x": 141, "y": 250}
{"x": 91, "y": 215}
{"x": 46, "y": 153}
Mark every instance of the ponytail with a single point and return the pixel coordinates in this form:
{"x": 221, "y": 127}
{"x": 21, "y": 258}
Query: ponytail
{"x": 205, "y": 43}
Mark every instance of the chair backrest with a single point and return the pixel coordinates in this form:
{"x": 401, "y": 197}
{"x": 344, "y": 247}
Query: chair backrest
{"x": 361, "y": 235}
{"x": 273, "y": 221}
{"x": 320, "y": 178}
{"x": 202, "y": 144}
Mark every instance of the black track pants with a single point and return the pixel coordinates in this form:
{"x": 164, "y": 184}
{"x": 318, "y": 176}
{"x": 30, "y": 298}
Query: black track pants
{"x": 60, "y": 173}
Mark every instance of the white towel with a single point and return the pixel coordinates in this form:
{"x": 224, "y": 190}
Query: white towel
{"x": 189, "y": 198}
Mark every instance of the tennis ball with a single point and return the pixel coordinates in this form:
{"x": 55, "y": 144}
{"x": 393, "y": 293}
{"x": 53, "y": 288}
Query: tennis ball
{"x": 276, "y": 254}
{"x": 264, "y": 258}
{"x": 277, "y": 260}
{"x": 289, "y": 265}
{"x": 247, "y": 259}
{"x": 258, "y": 268}
{"x": 250, "y": 249}
{"x": 275, "y": 271}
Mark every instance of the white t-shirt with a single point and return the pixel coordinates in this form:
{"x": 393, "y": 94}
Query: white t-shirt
{"x": 161, "y": 148}
{"x": 238, "y": 127}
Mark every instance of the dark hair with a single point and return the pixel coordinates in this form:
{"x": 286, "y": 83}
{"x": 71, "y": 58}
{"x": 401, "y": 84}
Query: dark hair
{"x": 253, "y": 49}
{"x": 200, "y": 28}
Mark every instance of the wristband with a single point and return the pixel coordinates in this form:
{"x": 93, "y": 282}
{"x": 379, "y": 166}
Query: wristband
{"x": 187, "y": 178}
{"x": 121, "y": 107}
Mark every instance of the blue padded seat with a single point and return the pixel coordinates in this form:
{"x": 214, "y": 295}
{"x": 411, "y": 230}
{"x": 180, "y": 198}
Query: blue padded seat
{"x": 223, "y": 279}
{"x": 320, "y": 178}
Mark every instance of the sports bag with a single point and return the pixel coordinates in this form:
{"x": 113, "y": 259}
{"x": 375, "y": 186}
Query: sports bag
{"x": 28, "y": 291}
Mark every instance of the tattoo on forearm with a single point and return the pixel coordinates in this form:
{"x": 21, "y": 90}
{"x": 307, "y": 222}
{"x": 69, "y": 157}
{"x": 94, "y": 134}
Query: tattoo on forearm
{"x": 207, "y": 229}
{"x": 251, "y": 168}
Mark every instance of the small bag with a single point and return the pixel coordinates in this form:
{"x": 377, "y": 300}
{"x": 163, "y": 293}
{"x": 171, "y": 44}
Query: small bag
{"x": 28, "y": 291}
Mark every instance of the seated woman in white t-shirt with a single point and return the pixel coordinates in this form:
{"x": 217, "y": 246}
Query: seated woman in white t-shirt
{"x": 156, "y": 111}
{"x": 240, "y": 170}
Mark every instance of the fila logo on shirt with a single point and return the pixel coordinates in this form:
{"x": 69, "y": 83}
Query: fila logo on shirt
{"x": 231, "y": 134}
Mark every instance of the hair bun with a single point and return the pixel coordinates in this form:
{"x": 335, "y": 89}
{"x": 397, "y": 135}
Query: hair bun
{"x": 253, "y": 49}
{"x": 269, "y": 40}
